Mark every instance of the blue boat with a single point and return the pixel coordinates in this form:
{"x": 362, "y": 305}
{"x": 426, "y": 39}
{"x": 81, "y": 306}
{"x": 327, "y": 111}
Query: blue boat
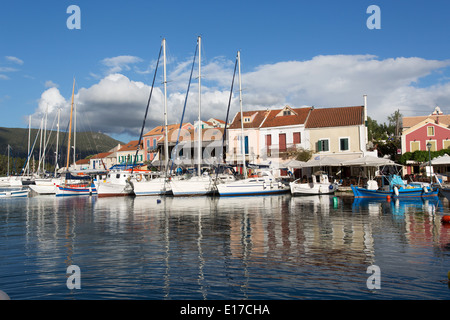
{"x": 397, "y": 189}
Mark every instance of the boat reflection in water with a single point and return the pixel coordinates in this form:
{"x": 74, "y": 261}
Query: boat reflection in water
{"x": 270, "y": 247}
{"x": 399, "y": 207}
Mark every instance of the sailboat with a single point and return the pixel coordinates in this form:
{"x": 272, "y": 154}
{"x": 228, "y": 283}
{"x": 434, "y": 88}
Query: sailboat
{"x": 264, "y": 183}
{"x": 66, "y": 187}
{"x": 10, "y": 181}
{"x": 202, "y": 183}
{"x": 48, "y": 185}
{"x": 148, "y": 184}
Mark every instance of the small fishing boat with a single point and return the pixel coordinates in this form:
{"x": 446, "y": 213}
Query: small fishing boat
{"x": 14, "y": 193}
{"x": 318, "y": 184}
{"x": 81, "y": 189}
{"x": 396, "y": 189}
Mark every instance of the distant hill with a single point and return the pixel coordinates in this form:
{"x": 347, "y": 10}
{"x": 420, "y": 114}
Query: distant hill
{"x": 87, "y": 143}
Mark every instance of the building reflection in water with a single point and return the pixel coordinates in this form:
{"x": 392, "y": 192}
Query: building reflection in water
{"x": 184, "y": 247}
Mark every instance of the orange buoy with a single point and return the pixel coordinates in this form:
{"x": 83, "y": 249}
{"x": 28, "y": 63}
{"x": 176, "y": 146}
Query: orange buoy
{"x": 388, "y": 198}
{"x": 445, "y": 219}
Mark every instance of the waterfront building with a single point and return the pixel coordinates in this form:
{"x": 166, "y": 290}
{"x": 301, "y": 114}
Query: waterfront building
{"x": 419, "y": 131}
{"x": 155, "y": 136}
{"x": 127, "y": 153}
{"x": 275, "y": 135}
{"x": 102, "y": 161}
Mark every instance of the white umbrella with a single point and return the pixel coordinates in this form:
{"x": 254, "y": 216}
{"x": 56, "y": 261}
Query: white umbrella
{"x": 320, "y": 161}
{"x": 442, "y": 160}
{"x": 369, "y": 161}
{"x": 295, "y": 164}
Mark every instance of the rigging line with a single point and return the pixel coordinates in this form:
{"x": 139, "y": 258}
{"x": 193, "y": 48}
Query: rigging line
{"x": 184, "y": 108}
{"x": 226, "y": 121}
{"x": 146, "y": 110}
{"x": 31, "y": 151}
{"x": 47, "y": 142}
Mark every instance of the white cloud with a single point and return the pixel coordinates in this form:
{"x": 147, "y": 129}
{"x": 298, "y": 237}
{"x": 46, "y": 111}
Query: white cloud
{"x": 120, "y": 63}
{"x": 49, "y": 84}
{"x": 14, "y": 60}
{"x": 116, "y": 104}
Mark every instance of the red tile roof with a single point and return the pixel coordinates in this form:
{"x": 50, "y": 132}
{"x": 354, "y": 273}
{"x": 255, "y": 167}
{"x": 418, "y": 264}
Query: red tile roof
{"x": 130, "y": 146}
{"x": 276, "y": 118}
{"x": 257, "y": 118}
{"x": 102, "y": 155}
{"x": 160, "y": 129}
{"x": 409, "y": 122}
{"x": 335, "y": 117}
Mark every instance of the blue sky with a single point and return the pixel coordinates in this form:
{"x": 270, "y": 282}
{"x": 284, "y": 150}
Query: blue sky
{"x": 299, "y": 53}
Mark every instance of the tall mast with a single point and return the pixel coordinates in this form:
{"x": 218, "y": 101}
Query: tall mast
{"x": 7, "y": 171}
{"x": 74, "y": 131}
{"x": 29, "y": 137}
{"x": 40, "y": 145}
{"x": 242, "y": 117}
{"x": 166, "y": 138}
{"x": 199, "y": 129}
{"x": 57, "y": 142}
{"x": 45, "y": 141}
{"x": 70, "y": 127}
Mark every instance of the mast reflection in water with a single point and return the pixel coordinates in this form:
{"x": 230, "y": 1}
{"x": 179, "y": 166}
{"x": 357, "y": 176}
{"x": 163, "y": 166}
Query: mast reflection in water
{"x": 270, "y": 247}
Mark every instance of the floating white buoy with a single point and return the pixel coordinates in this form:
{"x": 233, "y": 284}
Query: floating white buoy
{"x": 4, "y": 296}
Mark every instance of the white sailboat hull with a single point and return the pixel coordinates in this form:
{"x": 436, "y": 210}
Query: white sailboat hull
{"x": 152, "y": 187}
{"x": 45, "y": 186}
{"x": 194, "y": 186}
{"x": 251, "y": 187}
{"x": 43, "y": 189}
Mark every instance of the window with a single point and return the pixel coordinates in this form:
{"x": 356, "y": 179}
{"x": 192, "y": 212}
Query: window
{"x": 268, "y": 143}
{"x": 433, "y": 145}
{"x": 286, "y": 112}
{"x": 282, "y": 142}
{"x": 414, "y": 146}
{"x": 430, "y": 131}
{"x": 148, "y": 143}
{"x": 323, "y": 145}
{"x": 154, "y": 142}
{"x": 446, "y": 144}
{"x": 247, "y": 119}
{"x": 297, "y": 138}
{"x": 343, "y": 144}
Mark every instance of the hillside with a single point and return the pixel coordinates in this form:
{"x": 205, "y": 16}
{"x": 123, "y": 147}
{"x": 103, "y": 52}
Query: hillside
{"x": 87, "y": 143}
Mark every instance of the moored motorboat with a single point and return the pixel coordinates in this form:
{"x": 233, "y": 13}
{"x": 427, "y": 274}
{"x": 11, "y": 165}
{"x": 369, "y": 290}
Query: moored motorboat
{"x": 116, "y": 184}
{"x": 318, "y": 184}
{"x": 396, "y": 189}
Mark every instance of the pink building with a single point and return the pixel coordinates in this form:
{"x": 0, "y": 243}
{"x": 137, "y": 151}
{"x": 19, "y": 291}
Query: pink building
{"x": 420, "y": 131}
{"x": 151, "y": 139}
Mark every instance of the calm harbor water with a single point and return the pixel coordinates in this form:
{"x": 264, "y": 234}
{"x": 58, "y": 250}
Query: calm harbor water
{"x": 268, "y": 247}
